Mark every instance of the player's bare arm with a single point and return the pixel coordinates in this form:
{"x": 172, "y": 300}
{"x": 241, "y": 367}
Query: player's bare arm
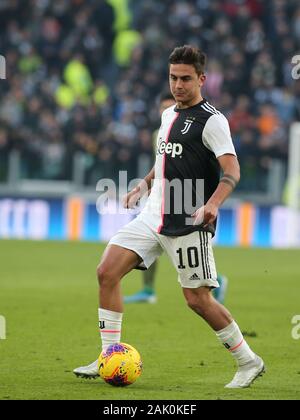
{"x": 231, "y": 175}
{"x": 131, "y": 199}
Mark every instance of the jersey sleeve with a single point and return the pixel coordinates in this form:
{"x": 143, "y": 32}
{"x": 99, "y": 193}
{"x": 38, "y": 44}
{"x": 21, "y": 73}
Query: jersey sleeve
{"x": 216, "y": 136}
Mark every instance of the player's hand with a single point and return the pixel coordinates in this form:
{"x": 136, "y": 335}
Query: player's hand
{"x": 205, "y": 215}
{"x": 131, "y": 199}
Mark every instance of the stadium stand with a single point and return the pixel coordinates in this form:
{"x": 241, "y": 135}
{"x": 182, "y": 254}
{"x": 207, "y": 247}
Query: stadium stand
{"x": 83, "y": 79}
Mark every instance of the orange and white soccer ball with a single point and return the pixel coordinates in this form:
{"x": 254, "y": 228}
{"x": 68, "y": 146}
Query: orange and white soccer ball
{"x": 120, "y": 364}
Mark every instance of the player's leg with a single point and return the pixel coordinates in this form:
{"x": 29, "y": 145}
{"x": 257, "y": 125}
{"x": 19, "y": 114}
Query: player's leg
{"x": 201, "y": 301}
{"x": 147, "y": 294}
{"x": 193, "y": 258}
{"x": 141, "y": 247}
{"x": 110, "y": 299}
{"x": 131, "y": 246}
{"x": 116, "y": 262}
{"x": 250, "y": 365}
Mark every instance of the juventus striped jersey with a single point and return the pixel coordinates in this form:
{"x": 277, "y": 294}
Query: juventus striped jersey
{"x": 187, "y": 171}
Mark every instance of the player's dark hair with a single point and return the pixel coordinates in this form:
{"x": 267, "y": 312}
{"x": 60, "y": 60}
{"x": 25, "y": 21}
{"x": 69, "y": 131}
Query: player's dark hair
{"x": 189, "y": 55}
{"x": 166, "y": 95}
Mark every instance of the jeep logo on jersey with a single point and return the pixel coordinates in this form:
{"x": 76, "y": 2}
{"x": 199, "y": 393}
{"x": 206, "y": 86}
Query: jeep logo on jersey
{"x": 173, "y": 149}
{"x": 187, "y": 125}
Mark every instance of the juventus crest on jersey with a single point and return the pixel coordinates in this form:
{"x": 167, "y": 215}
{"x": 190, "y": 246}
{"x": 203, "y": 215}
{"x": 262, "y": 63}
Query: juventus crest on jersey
{"x": 186, "y": 170}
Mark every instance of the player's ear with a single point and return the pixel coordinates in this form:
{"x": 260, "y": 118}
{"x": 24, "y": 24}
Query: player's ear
{"x": 202, "y": 79}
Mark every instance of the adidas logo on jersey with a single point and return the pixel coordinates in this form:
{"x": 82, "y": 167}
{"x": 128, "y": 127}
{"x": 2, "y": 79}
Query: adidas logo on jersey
{"x": 194, "y": 277}
{"x": 173, "y": 149}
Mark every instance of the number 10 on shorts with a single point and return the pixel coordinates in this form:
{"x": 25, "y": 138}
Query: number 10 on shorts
{"x": 191, "y": 257}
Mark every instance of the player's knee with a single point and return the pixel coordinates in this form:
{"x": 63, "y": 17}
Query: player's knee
{"x": 193, "y": 304}
{"x": 198, "y": 303}
{"x": 105, "y": 275}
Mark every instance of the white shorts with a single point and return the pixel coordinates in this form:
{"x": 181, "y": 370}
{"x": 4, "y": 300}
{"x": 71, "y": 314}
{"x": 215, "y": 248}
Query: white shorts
{"x": 191, "y": 255}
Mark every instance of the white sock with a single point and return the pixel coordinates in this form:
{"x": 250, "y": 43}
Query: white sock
{"x": 233, "y": 340}
{"x": 110, "y": 324}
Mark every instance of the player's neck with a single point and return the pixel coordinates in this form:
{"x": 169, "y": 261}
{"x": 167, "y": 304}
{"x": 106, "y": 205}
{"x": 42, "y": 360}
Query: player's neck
{"x": 184, "y": 105}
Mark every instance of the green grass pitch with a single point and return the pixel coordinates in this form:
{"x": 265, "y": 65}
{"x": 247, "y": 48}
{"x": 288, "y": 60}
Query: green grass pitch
{"x": 48, "y": 295}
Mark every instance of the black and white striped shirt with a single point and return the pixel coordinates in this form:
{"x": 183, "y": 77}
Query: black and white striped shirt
{"x": 188, "y": 144}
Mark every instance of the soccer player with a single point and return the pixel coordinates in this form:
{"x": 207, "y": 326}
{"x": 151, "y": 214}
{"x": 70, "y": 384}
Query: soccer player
{"x": 147, "y": 294}
{"x": 194, "y": 142}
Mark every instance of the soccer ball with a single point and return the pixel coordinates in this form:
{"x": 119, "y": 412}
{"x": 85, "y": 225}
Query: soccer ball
{"x": 120, "y": 364}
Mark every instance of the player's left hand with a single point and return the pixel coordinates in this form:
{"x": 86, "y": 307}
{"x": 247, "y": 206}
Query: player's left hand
{"x": 205, "y": 215}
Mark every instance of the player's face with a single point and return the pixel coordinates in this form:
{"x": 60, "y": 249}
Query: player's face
{"x": 166, "y": 103}
{"x": 185, "y": 84}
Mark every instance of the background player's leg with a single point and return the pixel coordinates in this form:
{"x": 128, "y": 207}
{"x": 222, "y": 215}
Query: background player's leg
{"x": 147, "y": 294}
{"x": 149, "y": 277}
{"x": 219, "y": 293}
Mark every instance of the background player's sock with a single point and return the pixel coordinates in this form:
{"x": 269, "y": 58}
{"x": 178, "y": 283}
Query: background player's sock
{"x": 148, "y": 290}
{"x": 110, "y": 324}
{"x": 232, "y": 338}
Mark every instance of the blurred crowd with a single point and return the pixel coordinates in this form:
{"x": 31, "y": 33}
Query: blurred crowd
{"x": 84, "y": 77}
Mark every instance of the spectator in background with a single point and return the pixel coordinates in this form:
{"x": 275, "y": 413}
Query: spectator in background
{"x": 4, "y": 151}
{"x": 241, "y": 118}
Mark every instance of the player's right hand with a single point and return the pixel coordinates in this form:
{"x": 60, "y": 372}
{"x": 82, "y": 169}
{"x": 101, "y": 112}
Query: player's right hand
{"x": 205, "y": 215}
{"x": 131, "y": 199}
